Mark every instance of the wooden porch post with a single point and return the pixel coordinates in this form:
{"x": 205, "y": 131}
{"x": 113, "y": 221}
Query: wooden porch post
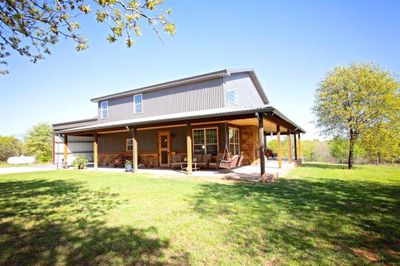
{"x": 134, "y": 151}
{"x": 95, "y": 151}
{"x": 278, "y": 135}
{"x": 65, "y": 150}
{"x": 295, "y": 146}
{"x": 260, "y": 117}
{"x": 189, "y": 148}
{"x": 300, "y": 149}
{"x": 289, "y": 145}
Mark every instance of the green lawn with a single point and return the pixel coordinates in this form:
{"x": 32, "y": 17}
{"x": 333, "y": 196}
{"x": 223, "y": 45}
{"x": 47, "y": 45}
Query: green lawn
{"x": 318, "y": 214}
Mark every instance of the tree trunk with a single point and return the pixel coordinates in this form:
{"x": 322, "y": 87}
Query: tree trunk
{"x": 351, "y": 150}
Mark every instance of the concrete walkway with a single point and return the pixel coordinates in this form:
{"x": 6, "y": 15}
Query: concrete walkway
{"x": 26, "y": 169}
{"x": 246, "y": 173}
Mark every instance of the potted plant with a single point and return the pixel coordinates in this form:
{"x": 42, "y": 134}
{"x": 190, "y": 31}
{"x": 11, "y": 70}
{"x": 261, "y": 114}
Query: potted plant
{"x": 128, "y": 166}
{"x": 80, "y": 162}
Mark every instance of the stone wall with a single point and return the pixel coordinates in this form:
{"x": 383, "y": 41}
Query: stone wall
{"x": 249, "y": 144}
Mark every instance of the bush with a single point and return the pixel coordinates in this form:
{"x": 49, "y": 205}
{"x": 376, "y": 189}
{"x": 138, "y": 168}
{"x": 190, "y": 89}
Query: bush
{"x": 80, "y": 162}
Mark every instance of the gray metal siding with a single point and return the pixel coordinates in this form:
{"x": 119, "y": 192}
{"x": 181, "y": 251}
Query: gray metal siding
{"x": 248, "y": 95}
{"x": 116, "y": 142}
{"x": 178, "y": 139}
{"x": 190, "y": 97}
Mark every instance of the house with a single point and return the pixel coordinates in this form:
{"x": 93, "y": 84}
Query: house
{"x": 225, "y": 112}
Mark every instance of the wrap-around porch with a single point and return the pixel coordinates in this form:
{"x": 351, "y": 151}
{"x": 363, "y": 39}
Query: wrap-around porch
{"x": 213, "y": 141}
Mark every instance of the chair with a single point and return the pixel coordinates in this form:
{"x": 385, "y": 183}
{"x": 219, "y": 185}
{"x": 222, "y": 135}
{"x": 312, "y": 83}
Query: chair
{"x": 176, "y": 161}
{"x": 215, "y": 163}
{"x": 204, "y": 163}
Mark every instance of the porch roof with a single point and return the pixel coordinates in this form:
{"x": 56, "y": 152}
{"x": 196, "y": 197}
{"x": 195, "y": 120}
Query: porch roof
{"x": 270, "y": 112}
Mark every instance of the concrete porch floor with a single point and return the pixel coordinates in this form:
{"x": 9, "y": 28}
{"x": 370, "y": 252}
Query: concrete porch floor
{"x": 246, "y": 173}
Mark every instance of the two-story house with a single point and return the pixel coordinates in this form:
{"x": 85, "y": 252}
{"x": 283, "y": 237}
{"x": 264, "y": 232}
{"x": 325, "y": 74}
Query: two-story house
{"x": 225, "y": 111}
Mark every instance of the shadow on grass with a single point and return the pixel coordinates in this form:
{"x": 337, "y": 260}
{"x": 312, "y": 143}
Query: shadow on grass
{"x": 325, "y": 165}
{"x": 60, "y": 222}
{"x": 323, "y": 221}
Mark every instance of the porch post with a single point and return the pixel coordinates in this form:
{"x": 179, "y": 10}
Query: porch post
{"x": 65, "y": 150}
{"x": 278, "y": 135}
{"x": 289, "y": 145}
{"x": 260, "y": 117}
{"x": 189, "y": 148}
{"x": 95, "y": 151}
{"x": 265, "y": 140}
{"x": 300, "y": 149}
{"x": 295, "y": 146}
{"x": 134, "y": 151}
{"x": 53, "y": 160}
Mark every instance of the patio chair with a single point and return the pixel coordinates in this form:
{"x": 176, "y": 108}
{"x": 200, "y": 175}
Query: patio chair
{"x": 205, "y": 161}
{"x": 176, "y": 161}
{"x": 215, "y": 163}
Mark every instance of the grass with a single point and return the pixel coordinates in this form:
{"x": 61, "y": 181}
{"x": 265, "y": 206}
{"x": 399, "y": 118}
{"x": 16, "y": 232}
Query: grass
{"x": 319, "y": 214}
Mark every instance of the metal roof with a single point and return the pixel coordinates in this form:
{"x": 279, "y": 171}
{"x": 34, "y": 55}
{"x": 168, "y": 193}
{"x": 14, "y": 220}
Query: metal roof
{"x": 185, "y": 116}
{"x": 188, "y": 80}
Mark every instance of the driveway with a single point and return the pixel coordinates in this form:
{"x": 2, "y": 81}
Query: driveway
{"x": 24, "y": 169}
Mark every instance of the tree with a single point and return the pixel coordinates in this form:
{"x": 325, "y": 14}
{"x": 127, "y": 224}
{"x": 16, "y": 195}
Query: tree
{"x": 9, "y": 146}
{"x": 38, "y": 142}
{"x": 32, "y": 27}
{"x": 382, "y": 143}
{"x": 339, "y": 149}
{"x": 354, "y": 99}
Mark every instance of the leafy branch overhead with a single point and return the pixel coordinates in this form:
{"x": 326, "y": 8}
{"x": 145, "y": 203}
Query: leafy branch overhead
{"x": 31, "y": 27}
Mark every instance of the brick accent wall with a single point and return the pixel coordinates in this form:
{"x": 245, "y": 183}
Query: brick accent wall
{"x": 249, "y": 144}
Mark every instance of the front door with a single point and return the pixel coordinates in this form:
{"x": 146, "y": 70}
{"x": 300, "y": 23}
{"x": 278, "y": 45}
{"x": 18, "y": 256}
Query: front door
{"x": 163, "y": 148}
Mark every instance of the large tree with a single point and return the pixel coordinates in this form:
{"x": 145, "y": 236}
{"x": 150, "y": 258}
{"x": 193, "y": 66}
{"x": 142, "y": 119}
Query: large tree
{"x": 38, "y": 142}
{"x": 354, "y": 99}
{"x": 31, "y": 27}
{"x": 9, "y": 146}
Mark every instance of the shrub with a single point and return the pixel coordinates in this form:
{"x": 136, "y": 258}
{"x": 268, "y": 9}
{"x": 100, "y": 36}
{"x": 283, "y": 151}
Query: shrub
{"x": 80, "y": 162}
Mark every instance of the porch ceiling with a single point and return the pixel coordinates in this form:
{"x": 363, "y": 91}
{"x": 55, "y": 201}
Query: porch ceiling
{"x": 269, "y": 126}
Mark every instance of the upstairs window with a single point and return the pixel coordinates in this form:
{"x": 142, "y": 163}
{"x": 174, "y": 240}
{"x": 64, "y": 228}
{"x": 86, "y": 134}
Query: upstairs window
{"x": 104, "y": 109}
{"x": 137, "y": 104}
{"x": 232, "y": 96}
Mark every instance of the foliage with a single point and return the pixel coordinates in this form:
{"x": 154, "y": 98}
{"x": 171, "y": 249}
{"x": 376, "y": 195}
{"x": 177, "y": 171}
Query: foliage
{"x": 339, "y": 149}
{"x": 9, "y": 146}
{"x": 80, "y": 162}
{"x": 382, "y": 144}
{"x": 32, "y": 27}
{"x": 317, "y": 215}
{"x": 38, "y": 142}
{"x": 128, "y": 162}
{"x": 354, "y": 99}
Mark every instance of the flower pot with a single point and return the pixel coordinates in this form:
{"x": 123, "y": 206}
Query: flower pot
{"x": 128, "y": 168}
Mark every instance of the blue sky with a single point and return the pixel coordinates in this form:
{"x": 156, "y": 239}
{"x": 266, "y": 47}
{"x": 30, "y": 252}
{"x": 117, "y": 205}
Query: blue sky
{"x": 290, "y": 44}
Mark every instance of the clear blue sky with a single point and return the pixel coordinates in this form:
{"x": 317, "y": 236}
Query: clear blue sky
{"x": 290, "y": 44}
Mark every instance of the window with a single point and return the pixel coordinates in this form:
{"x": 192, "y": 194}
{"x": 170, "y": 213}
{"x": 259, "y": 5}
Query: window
{"x": 234, "y": 146}
{"x": 129, "y": 145}
{"x": 205, "y": 140}
{"x": 137, "y": 104}
{"x": 104, "y": 109}
{"x": 232, "y": 96}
